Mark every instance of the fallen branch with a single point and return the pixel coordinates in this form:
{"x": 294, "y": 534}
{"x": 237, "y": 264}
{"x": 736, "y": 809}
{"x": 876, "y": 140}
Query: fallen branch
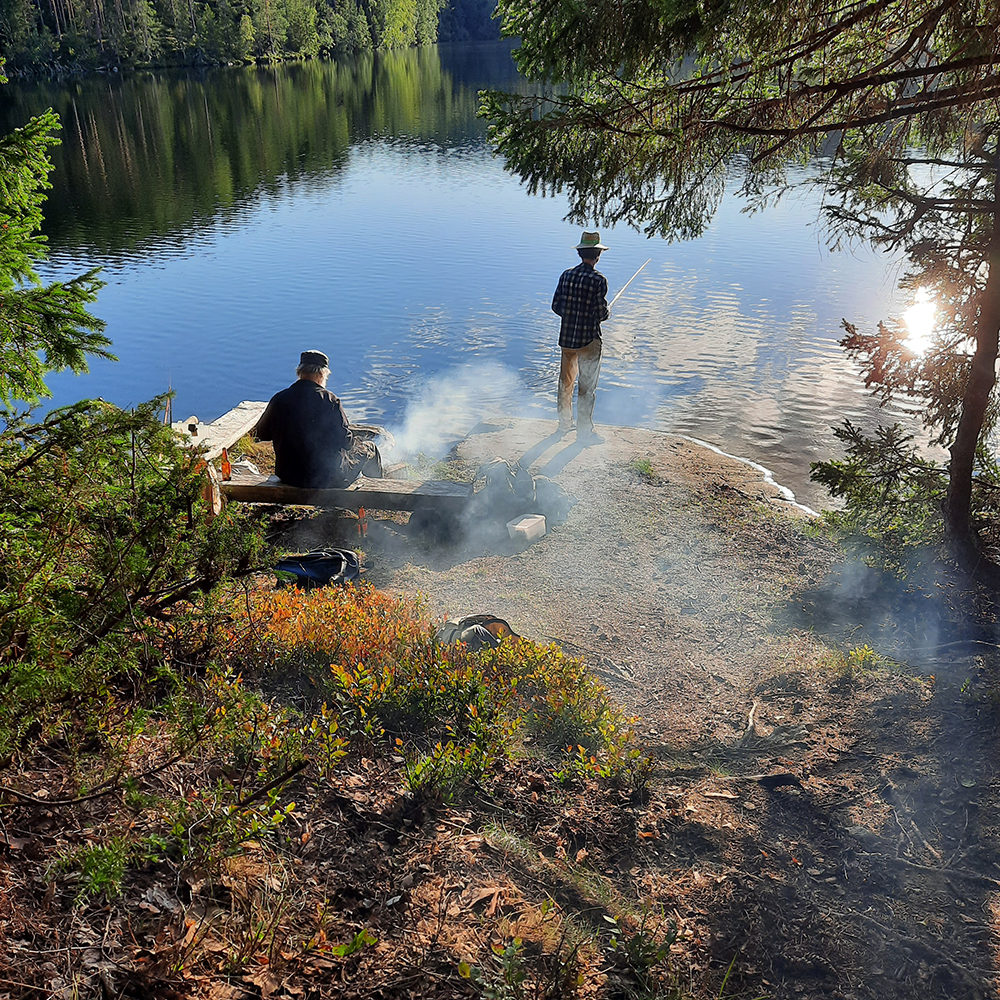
{"x": 923, "y": 839}
{"x": 770, "y": 781}
{"x": 270, "y": 786}
{"x": 937, "y": 869}
{"x": 99, "y": 793}
{"x": 750, "y": 733}
{"x": 280, "y": 780}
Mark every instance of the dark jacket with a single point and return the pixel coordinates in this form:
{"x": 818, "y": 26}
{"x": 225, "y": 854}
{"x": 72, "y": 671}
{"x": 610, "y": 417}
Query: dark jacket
{"x": 311, "y": 436}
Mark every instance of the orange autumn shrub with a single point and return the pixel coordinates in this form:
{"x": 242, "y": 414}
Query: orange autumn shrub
{"x": 372, "y": 658}
{"x": 352, "y": 624}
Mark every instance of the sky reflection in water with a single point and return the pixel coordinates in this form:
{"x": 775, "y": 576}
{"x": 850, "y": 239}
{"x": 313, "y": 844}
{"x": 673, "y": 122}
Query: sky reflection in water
{"x": 356, "y": 209}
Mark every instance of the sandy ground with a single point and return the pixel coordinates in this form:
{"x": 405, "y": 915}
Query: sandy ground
{"x": 657, "y": 562}
{"x": 683, "y": 579}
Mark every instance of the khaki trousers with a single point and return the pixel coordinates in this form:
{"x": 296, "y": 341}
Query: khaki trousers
{"x": 586, "y": 361}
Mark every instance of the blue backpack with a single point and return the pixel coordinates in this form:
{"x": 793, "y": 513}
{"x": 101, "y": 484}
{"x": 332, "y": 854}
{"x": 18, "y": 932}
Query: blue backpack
{"x": 319, "y": 568}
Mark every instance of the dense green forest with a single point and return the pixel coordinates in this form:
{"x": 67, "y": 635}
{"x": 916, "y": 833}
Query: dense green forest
{"x": 468, "y": 21}
{"x": 56, "y": 35}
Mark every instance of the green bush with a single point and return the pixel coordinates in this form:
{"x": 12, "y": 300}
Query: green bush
{"x": 103, "y": 535}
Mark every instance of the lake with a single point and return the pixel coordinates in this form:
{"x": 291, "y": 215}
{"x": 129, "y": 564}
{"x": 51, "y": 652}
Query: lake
{"x": 242, "y": 215}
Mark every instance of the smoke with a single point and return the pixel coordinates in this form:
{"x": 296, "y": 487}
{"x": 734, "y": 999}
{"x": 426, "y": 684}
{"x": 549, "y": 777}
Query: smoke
{"x": 927, "y": 617}
{"x": 451, "y": 403}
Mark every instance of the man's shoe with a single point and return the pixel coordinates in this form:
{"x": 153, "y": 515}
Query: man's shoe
{"x": 589, "y": 437}
{"x": 563, "y": 431}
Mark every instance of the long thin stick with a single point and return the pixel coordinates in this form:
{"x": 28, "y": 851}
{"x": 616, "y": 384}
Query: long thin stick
{"x": 629, "y": 282}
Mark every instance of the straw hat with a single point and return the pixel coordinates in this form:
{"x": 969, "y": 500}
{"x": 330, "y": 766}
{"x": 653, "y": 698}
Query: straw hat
{"x": 590, "y": 241}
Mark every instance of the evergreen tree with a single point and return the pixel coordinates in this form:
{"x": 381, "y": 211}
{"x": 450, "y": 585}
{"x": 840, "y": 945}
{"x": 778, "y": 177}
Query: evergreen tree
{"x": 103, "y": 524}
{"x": 43, "y": 328}
{"x": 247, "y": 37}
{"x": 35, "y": 34}
{"x": 665, "y": 99}
{"x": 303, "y": 38}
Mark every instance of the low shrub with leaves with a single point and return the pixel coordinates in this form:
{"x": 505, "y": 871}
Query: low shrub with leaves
{"x": 104, "y": 535}
{"x": 642, "y": 947}
{"x": 552, "y": 972}
{"x": 371, "y": 658}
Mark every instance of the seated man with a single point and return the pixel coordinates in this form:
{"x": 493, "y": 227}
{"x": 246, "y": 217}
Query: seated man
{"x": 314, "y": 447}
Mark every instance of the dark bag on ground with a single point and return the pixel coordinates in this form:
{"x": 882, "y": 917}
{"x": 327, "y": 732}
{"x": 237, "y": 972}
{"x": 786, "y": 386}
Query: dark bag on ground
{"x": 320, "y": 568}
{"x": 502, "y": 490}
{"x": 476, "y": 631}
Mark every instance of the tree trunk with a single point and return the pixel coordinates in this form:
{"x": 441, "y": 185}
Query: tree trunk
{"x": 55, "y": 17}
{"x": 982, "y": 378}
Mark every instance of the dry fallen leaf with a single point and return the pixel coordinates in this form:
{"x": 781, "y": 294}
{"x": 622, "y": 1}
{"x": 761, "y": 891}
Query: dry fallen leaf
{"x": 266, "y": 980}
{"x": 480, "y": 894}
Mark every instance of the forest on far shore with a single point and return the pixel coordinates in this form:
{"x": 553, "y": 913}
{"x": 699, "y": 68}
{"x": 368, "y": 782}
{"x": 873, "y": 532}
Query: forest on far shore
{"x": 56, "y": 36}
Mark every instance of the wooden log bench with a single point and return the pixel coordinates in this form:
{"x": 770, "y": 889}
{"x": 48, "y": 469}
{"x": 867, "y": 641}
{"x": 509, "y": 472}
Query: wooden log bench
{"x": 224, "y": 432}
{"x": 440, "y": 495}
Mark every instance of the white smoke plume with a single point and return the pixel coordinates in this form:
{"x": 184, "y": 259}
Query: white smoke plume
{"x": 451, "y": 403}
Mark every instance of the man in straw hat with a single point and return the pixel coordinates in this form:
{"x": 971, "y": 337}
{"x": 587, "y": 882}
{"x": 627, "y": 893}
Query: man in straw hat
{"x": 314, "y": 447}
{"x": 581, "y": 299}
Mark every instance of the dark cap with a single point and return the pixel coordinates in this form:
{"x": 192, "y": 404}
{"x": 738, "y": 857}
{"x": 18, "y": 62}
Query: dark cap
{"x": 314, "y": 358}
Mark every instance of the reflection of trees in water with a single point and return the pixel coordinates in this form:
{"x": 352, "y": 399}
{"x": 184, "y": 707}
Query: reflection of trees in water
{"x": 157, "y": 152}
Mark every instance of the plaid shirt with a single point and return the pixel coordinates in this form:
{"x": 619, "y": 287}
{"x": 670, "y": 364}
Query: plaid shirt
{"x": 581, "y": 299}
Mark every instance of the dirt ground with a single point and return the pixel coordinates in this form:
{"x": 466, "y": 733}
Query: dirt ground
{"x": 826, "y": 821}
{"x": 820, "y": 820}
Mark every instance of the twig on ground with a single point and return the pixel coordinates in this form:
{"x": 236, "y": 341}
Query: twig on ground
{"x": 280, "y": 780}
{"x": 24, "y": 986}
{"x": 923, "y": 840}
{"x": 101, "y": 791}
{"x": 770, "y": 781}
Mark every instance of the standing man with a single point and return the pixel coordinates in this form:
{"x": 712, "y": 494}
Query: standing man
{"x": 581, "y": 299}
{"x": 314, "y": 447}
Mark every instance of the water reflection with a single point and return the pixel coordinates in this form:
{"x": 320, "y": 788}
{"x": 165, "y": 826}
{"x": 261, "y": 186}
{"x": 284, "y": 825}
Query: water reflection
{"x": 242, "y": 215}
{"x": 160, "y": 153}
{"x": 919, "y": 320}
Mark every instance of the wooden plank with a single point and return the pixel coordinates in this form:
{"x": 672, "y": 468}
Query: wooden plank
{"x": 224, "y": 432}
{"x": 379, "y": 494}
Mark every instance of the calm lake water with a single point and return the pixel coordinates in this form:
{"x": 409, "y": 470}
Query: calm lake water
{"x": 242, "y": 215}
